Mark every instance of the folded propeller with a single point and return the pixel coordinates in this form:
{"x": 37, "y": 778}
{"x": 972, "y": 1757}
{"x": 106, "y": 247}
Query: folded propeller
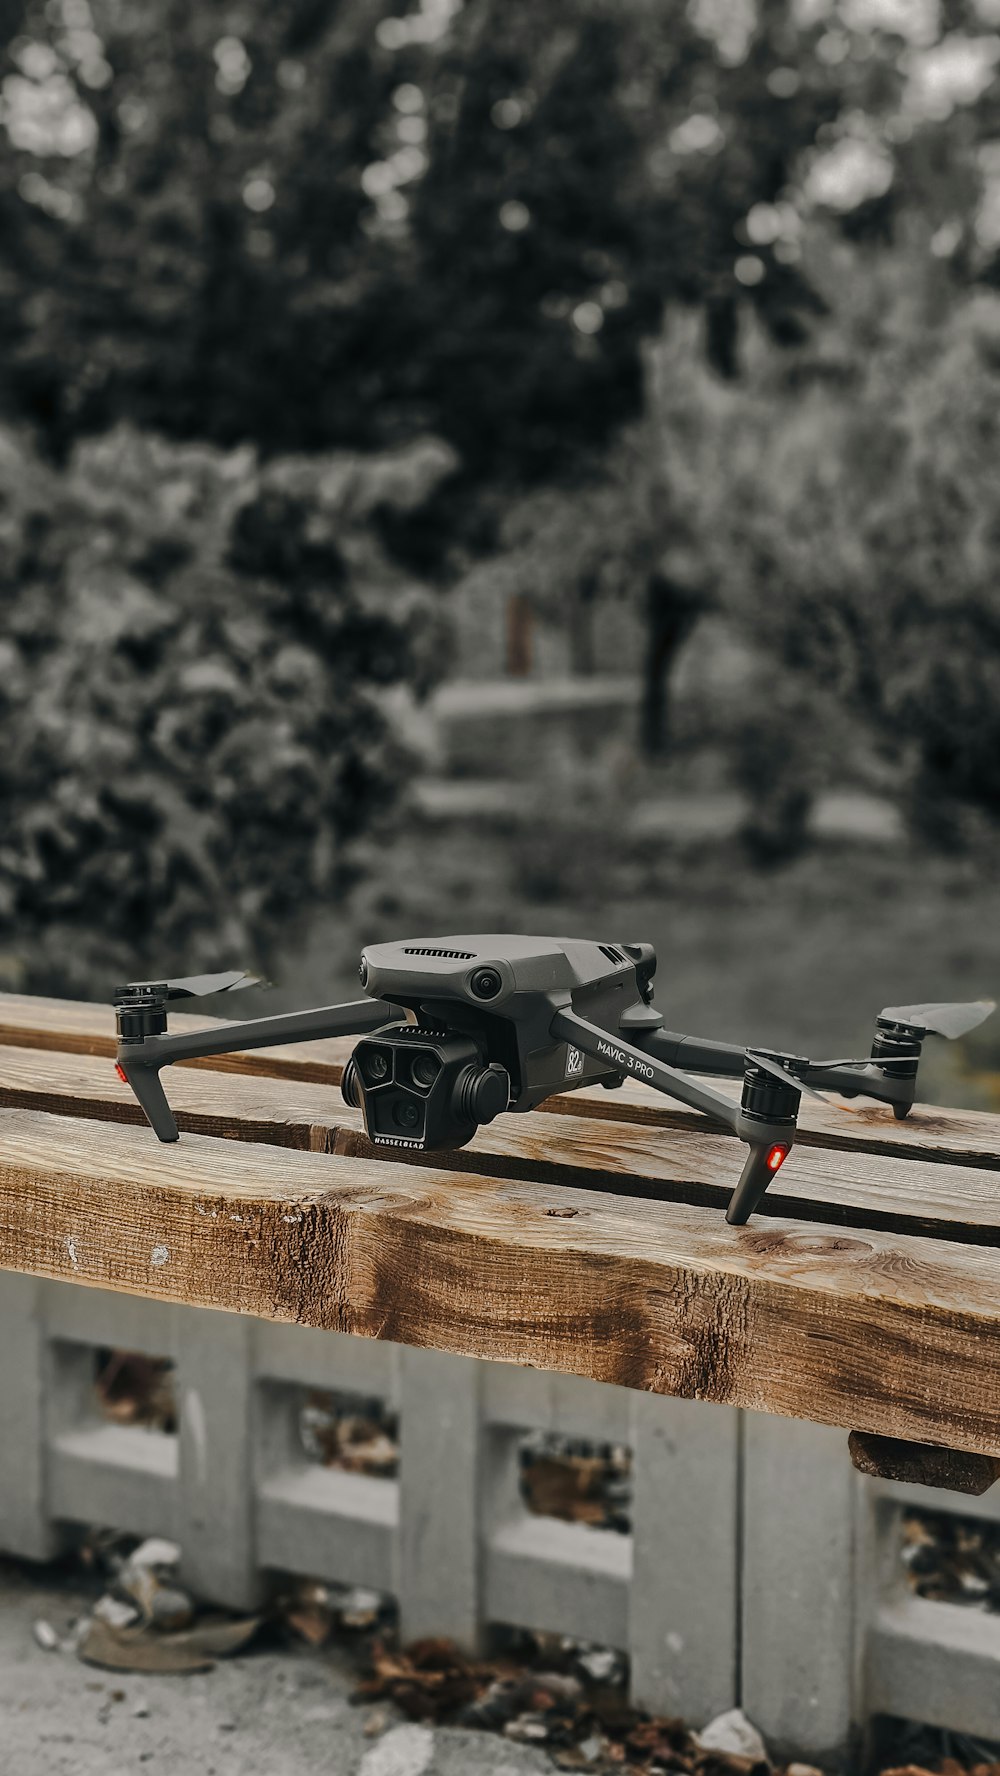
{"x": 192, "y": 986}
{"x": 899, "y": 1032}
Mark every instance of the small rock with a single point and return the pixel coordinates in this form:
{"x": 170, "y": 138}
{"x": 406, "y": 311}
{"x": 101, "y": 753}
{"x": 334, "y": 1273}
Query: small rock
{"x": 558, "y": 1683}
{"x": 140, "y": 1709}
{"x": 802, "y": 1770}
{"x": 45, "y": 1636}
{"x": 530, "y": 1728}
{"x": 170, "y": 1608}
{"x": 155, "y": 1551}
{"x": 375, "y": 1723}
{"x": 115, "y": 1611}
{"x": 734, "y": 1733}
{"x": 591, "y": 1748}
{"x": 359, "y": 1608}
{"x": 601, "y": 1664}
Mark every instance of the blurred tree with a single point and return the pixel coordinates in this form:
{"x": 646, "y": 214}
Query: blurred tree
{"x": 203, "y": 693}
{"x": 855, "y": 533}
{"x": 306, "y": 227}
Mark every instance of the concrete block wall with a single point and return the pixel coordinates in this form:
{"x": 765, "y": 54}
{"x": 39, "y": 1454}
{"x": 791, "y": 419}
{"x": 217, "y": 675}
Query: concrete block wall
{"x": 760, "y": 1570}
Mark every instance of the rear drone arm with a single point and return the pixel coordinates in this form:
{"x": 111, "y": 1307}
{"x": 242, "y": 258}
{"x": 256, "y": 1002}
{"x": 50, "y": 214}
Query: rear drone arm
{"x": 139, "y": 1061}
{"x": 890, "y": 1078}
{"x": 724, "y": 1059}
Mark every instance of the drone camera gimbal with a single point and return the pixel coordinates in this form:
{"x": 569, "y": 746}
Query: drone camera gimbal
{"x": 456, "y": 1030}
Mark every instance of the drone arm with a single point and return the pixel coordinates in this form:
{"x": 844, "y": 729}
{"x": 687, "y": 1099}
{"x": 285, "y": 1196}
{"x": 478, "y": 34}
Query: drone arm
{"x": 568, "y": 1026}
{"x": 139, "y": 1062}
{"x": 871, "y": 1081}
{"x": 768, "y": 1143}
{"x": 354, "y": 1019}
{"x": 694, "y": 1054}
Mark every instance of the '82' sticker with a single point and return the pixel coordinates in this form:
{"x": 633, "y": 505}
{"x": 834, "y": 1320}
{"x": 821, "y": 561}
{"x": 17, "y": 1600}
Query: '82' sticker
{"x": 574, "y": 1062}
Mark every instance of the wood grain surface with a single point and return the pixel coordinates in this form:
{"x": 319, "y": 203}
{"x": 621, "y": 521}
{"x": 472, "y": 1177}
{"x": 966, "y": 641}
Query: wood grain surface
{"x": 879, "y": 1332}
{"x": 866, "y": 1295}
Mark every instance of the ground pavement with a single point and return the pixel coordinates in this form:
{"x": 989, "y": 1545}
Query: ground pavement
{"x": 283, "y": 1713}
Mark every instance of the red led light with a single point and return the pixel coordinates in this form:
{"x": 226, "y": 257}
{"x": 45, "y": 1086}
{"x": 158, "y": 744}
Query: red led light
{"x": 775, "y": 1156}
{"x": 123, "y": 1076}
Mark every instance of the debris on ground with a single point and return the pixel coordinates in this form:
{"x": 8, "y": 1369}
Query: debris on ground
{"x": 904, "y": 1748}
{"x": 554, "y": 1703}
{"x": 315, "y": 1612}
{"x": 146, "y": 1648}
{"x": 567, "y": 1698}
{"x": 144, "y": 1620}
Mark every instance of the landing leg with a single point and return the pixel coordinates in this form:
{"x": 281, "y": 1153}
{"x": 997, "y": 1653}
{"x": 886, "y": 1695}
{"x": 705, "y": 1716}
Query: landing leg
{"x": 145, "y": 1082}
{"x": 754, "y": 1180}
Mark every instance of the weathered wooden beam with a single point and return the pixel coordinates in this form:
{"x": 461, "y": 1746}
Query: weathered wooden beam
{"x": 880, "y": 1332}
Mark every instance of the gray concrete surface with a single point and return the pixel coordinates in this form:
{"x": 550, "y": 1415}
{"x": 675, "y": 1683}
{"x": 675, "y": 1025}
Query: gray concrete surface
{"x": 274, "y": 1713}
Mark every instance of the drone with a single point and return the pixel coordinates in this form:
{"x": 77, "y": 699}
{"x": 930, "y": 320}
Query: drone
{"x": 457, "y": 1030}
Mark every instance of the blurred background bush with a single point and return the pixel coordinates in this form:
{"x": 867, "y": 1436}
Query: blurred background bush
{"x": 463, "y": 463}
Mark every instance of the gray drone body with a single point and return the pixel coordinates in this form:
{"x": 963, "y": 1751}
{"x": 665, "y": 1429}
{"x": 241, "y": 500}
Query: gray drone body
{"x": 507, "y": 990}
{"x": 456, "y": 1030}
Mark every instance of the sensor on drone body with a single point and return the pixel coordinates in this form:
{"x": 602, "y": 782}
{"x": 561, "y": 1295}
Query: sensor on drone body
{"x": 456, "y": 1030}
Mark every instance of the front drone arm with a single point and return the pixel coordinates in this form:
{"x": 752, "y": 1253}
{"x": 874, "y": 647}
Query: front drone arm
{"x": 139, "y": 1062}
{"x": 768, "y": 1134}
{"x": 568, "y": 1026}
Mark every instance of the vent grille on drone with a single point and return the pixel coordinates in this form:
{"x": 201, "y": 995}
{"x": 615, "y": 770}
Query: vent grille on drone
{"x": 450, "y": 955}
{"x": 612, "y": 954}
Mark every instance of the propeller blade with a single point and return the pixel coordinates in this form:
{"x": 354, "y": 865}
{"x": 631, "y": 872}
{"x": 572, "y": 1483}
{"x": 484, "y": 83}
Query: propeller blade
{"x": 862, "y": 1061}
{"x": 788, "y": 1078}
{"x": 949, "y": 1020}
{"x": 199, "y": 986}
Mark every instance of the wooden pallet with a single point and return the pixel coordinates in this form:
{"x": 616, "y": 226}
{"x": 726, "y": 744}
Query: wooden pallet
{"x": 865, "y": 1294}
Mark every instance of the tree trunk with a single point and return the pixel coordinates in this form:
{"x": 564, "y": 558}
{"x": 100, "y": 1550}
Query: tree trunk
{"x": 671, "y": 613}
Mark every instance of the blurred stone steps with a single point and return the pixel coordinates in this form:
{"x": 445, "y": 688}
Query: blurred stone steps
{"x": 516, "y": 726}
{"x": 837, "y": 814}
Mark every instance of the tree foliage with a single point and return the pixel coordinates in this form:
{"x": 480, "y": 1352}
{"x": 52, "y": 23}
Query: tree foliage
{"x": 204, "y": 668}
{"x": 855, "y": 531}
{"x": 311, "y": 227}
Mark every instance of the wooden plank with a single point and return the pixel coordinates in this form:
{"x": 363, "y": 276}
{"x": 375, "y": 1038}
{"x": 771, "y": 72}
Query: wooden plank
{"x": 960, "y": 1136}
{"x": 873, "y": 1331}
{"x": 692, "y": 1163}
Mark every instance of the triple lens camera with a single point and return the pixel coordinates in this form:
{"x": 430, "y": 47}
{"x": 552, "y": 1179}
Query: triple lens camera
{"x": 422, "y": 1088}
